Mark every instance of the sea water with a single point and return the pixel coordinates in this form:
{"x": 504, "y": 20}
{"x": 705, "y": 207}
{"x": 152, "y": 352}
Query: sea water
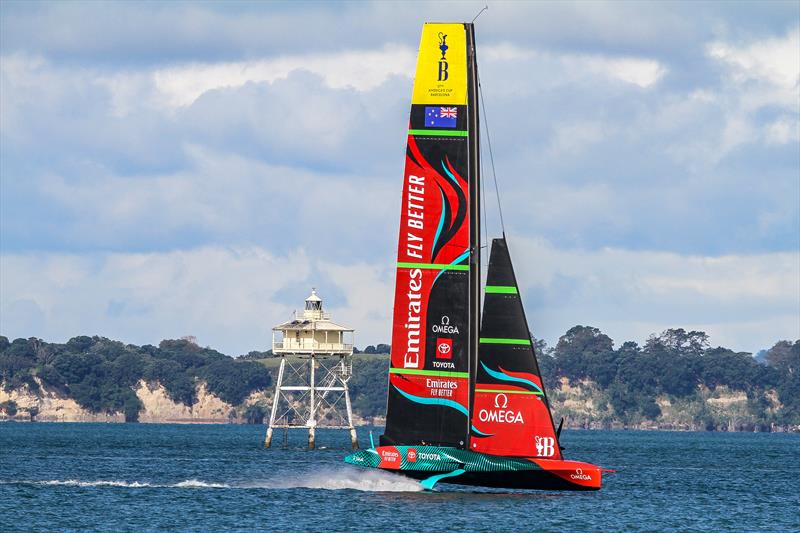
{"x": 219, "y": 477}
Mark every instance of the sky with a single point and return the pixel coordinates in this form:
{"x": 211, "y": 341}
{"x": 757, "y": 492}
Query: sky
{"x": 179, "y": 168}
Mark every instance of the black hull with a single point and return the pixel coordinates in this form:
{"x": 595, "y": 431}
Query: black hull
{"x": 523, "y": 479}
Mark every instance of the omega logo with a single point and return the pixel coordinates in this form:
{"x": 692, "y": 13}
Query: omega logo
{"x": 444, "y": 326}
{"x": 580, "y": 475}
{"x": 500, "y": 401}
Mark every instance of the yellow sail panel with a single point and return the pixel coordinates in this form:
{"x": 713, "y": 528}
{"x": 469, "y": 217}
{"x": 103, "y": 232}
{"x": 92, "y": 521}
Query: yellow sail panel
{"x": 441, "y": 65}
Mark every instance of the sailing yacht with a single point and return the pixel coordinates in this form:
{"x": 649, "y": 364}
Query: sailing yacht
{"x": 466, "y": 401}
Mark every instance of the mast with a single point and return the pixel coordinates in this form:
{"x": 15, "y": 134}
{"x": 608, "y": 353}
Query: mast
{"x": 474, "y": 213}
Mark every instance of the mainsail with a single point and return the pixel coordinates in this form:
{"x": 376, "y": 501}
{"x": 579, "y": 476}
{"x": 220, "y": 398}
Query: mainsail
{"x": 511, "y": 416}
{"x": 437, "y": 284}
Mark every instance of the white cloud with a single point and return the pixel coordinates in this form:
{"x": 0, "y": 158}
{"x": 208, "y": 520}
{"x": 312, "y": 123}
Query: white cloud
{"x": 755, "y": 101}
{"x": 178, "y": 86}
{"x": 639, "y": 71}
{"x": 642, "y": 72}
{"x": 614, "y": 125}
{"x": 362, "y": 70}
{"x": 572, "y": 138}
{"x": 368, "y": 290}
{"x": 761, "y": 75}
{"x": 181, "y": 84}
{"x": 227, "y": 198}
{"x": 224, "y": 296}
{"x": 630, "y": 294}
{"x": 228, "y": 297}
{"x": 783, "y": 131}
{"x": 773, "y": 60}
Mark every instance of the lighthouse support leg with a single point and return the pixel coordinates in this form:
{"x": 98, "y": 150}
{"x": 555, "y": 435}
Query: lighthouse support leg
{"x": 353, "y": 436}
{"x": 312, "y": 416}
{"x": 275, "y": 400}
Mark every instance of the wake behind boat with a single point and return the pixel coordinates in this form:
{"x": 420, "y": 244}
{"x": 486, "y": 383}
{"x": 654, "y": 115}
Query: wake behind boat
{"x": 466, "y": 400}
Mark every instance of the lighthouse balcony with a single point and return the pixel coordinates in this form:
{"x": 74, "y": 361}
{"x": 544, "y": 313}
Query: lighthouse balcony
{"x": 308, "y": 346}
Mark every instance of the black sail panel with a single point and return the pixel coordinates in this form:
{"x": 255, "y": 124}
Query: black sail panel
{"x": 510, "y": 415}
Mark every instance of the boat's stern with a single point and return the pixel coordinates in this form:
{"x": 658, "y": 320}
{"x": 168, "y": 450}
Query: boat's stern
{"x": 584, "y": 476}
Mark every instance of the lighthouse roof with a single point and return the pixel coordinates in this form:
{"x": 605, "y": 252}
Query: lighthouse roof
{"x": 313, "y": 297}
{"x": 319, "y": 325}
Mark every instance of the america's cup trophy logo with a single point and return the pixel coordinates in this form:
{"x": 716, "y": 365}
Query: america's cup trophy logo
{"x": 443, "y": 62}
{"x": 545, "y": 446}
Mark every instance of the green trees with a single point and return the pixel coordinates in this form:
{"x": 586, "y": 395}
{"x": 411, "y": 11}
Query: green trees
{"x": 368, "y": 386}
{"x": 171, "y": 374}
{"x": 255, "y": 355}
{"x": 674, "y": 362}
{"x": 379, "y": 349}
{"x": 102, "y": 375}
{"x": 255, "y": 414}
{"x": 784, "y": 357}
{"x": 233, "y": 381}
{"x": 580, "y": 351}
{"x": 9, "y": 407}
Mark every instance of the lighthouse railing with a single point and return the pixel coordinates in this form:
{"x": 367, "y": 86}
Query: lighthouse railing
{"x": 308, "y": 345}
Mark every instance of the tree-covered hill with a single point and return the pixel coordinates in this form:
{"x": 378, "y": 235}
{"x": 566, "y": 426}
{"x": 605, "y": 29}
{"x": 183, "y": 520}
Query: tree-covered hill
{"x": 676, "y": 371}
{"x": 630, "y": 381}
{"x": 678, "y": 365}
{"x": 101, "y": 374}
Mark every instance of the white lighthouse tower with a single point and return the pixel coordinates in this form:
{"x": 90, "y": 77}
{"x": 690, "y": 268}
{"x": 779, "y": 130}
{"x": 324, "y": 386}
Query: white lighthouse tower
{"x": 316, "y": 364}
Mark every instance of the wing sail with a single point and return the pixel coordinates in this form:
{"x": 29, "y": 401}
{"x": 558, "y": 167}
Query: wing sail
{"x": 429, "y": 386}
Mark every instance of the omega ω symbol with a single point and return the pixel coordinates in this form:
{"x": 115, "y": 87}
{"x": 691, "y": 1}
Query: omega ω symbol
{"x": 500, "y": 401}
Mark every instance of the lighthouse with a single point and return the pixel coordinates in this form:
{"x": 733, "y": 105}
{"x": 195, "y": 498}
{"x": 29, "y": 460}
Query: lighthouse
{"x": 316, "y": 364}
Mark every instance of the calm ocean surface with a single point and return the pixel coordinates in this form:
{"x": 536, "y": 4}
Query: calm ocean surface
{"x": 211, "y": 477}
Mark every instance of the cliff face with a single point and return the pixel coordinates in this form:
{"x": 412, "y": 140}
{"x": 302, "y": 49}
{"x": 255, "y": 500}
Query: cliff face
{"x": 158, "y": 406}
{"x": 53, "y": 407}
{"x": 581, "y": 403}
{"x": 584, "y": 405}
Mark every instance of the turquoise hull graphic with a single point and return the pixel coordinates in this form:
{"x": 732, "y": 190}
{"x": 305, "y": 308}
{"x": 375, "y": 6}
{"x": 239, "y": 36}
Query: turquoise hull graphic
{"x": 434, "y": 464}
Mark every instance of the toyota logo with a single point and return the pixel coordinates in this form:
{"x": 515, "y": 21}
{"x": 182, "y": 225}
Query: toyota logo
{"x": 444, "y": 348}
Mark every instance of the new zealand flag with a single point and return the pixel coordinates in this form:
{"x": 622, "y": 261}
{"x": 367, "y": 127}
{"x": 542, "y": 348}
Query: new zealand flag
{"x": 441, "y": 117}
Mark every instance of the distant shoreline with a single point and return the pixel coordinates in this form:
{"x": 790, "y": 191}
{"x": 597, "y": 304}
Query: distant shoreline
{"x": 676, "y": 382}
{"x": 222, "y": 422}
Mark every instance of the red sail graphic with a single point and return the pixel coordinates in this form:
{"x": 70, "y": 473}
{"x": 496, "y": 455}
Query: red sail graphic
{"x": 429, "y": 338}
{"x": 515, "y": 422}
